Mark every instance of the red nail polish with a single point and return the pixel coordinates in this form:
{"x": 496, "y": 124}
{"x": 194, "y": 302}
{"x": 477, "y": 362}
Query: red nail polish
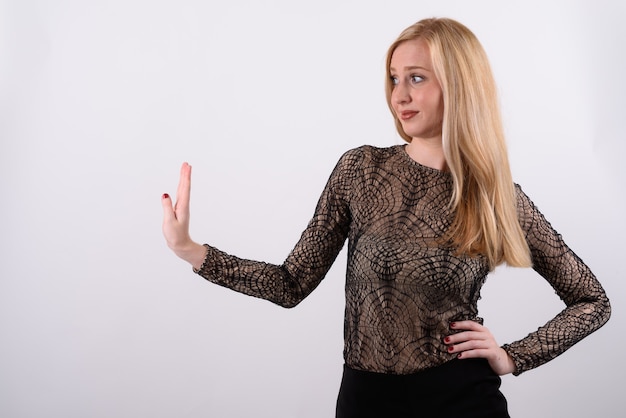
{"x": 459, "y": 355}
{"x": 446, "y": 340}
{"x": 165, "y": 195}
{"x": 452, "y": 324}
{"x": 451, "y": 348}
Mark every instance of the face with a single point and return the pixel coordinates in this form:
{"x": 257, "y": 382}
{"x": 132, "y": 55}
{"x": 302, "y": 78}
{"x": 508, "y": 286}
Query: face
{"x": 416, "y": 98}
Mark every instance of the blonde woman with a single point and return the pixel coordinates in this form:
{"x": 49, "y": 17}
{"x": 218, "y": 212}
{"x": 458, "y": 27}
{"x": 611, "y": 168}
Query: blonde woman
{"x": 425, "y": 223}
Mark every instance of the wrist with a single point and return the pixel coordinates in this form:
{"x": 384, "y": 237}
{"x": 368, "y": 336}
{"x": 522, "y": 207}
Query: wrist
{"x": 509, "y": 363}
{"x": 191, "y": 252}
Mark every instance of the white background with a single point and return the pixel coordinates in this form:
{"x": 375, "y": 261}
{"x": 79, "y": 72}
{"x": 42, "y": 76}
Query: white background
{"x": 101, "y": 101}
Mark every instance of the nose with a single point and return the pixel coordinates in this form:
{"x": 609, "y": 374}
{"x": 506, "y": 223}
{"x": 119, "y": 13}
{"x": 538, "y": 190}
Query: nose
{"x": 400, "y": 93}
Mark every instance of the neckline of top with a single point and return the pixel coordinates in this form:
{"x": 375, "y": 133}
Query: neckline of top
{"x": 407, "y": 157}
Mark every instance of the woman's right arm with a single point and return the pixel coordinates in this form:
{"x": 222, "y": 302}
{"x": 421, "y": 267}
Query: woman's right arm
{"x": 306, "y": 265}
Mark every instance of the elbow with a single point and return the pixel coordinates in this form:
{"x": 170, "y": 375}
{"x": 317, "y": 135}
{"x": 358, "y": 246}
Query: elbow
{"x": 291, "y": 293}
{"x": 606, "y": 309}
{"x": 289, "y": 300}
{"x": 600, "y": 310}
{"x": 288, "y": 304}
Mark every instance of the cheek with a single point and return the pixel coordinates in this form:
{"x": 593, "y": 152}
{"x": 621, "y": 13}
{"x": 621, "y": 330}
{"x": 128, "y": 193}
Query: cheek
{"x": 437, "y": 105}
{"x": 393, "y": 101}
{"x": 441, "y": 108}
{"x": 394, "y": 111}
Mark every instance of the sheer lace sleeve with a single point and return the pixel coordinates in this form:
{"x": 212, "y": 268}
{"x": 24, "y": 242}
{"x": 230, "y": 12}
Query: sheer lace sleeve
{"x": 587, "y": 306}
{"x": 311, "y": 258}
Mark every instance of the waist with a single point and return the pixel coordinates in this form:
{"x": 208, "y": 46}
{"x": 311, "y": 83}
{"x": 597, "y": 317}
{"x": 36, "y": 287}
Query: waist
{"x": 451, "y": 375}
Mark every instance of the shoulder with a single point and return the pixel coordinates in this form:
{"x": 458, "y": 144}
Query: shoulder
{"x": 523, "y": 201}
{"x": 529, "y": 215}
{"x": 356, "y": 161}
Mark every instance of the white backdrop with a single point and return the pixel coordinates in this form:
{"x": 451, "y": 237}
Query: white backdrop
{"x": 100, "y": 102}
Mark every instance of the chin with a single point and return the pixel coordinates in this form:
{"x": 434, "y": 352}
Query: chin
{"x": 414, "y": 133}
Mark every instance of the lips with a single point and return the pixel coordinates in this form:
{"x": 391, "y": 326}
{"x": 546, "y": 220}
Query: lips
{"x": 407, "y": 114}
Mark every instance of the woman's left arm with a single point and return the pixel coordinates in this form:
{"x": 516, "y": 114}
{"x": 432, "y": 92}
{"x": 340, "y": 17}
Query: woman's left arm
{"x": 587, "y": 306}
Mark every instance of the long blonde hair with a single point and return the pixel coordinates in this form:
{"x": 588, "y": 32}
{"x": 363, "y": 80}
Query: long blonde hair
{"x": 483, "y": 198}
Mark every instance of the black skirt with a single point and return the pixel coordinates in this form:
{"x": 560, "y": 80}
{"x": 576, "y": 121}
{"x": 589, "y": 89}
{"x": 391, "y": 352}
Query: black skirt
{"x": 459, "y": 388}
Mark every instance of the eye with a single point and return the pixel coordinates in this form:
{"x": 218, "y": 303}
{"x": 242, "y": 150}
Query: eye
{"x": 415, "y": 79}
{"x": 394, "y": 80}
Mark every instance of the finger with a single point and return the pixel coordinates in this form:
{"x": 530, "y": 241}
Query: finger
{"x": 466, "y": 325}
{"x": 466, "y": 336}
{"x": 168, "y": 210}
{"x": 477, "y": 348}
{"x": 475, "y": 353}
{"x": 470, "y": 335}
{"x": 184, "y": 191}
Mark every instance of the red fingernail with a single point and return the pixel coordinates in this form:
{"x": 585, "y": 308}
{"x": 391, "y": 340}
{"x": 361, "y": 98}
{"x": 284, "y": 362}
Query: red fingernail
{"x": 459, "y": 355}
{"x": 452, "y": 324}
{"x": 165, "y": 195}
{"x": 446, "y": 340}
{"x": 451, "y": 348}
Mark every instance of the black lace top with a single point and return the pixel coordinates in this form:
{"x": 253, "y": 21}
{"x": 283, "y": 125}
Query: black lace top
{"x": 402, "y": 288}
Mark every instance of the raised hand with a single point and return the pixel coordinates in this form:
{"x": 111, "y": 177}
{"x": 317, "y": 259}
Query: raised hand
{"x": 476, "y": 341}
{"x": 176, "y": 222}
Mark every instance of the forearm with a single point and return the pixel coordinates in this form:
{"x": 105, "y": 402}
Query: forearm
{"x": 566, "y": 329}
{"x": 275, "y": 283}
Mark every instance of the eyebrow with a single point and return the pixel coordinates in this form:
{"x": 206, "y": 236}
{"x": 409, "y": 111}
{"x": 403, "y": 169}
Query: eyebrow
{"x": 411, "y": 67}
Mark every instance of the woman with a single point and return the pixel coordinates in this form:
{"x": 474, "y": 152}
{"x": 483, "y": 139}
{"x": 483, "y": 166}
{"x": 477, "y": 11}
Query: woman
{"x": 426, "y": 222}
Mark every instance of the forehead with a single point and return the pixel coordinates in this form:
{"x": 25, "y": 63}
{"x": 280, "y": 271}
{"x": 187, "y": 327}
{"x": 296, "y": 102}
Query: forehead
{"x": 413, "y": 53}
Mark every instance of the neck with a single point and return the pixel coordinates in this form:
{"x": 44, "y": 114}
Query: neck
{"x": 427, "y": 152}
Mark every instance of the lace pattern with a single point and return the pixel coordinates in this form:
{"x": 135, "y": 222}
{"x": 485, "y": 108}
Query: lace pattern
{"x": 402, "y": 287}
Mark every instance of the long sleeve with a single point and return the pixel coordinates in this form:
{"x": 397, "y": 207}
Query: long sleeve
{"x": 587, "y": 306}
{"x": 311, "y": 258}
